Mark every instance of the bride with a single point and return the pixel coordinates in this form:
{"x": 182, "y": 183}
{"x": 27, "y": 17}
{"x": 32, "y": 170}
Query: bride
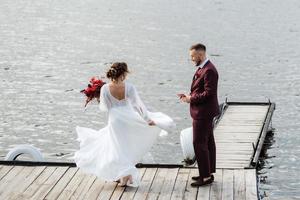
{"x": 112, "y": 152}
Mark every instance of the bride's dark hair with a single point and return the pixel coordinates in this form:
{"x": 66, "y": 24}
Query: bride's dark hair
{"x": 117, "y": 70}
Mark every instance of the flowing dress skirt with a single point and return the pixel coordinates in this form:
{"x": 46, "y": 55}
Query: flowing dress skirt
{"x": 113, "y": 151}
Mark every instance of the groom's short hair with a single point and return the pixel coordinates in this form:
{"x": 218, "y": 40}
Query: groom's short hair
{"x": 198, "y": 47}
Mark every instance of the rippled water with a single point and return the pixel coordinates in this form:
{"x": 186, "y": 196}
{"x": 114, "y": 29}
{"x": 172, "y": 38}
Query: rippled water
{"x": 49, "y": 49}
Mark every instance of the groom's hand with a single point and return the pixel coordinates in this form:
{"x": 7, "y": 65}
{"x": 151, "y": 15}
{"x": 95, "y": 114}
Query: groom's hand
{"x": 186, "y": 99}
{"x": 151, "y": 123}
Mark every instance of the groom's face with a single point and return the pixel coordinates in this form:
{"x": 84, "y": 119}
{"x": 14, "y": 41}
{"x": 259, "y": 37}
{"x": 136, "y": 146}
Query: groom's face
{"x": 197, "y": 56}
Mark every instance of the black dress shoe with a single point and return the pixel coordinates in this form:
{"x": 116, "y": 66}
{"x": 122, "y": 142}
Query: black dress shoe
{"x": 200, "y": 183}
{"x": 196, "y": 178}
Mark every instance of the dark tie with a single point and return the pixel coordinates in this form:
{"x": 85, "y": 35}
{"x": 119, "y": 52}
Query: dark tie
{"x": 195, "y": 76}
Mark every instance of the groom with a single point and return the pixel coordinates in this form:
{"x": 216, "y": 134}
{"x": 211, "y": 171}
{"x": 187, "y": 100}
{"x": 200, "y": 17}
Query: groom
{"x": 204, "y": 107}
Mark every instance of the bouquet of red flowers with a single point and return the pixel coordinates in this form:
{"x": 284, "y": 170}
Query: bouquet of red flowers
{"x": 93, "y": 90}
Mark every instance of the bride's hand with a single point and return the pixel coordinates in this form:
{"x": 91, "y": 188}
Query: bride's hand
{"x": 151, "y": 123}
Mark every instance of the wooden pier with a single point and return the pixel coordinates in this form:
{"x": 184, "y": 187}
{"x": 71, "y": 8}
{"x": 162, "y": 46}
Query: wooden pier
{"x": 239, "y": 135}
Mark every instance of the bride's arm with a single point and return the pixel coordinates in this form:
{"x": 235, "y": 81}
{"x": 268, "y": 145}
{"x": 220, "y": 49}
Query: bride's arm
{"x": 139, "y": 105}
{"x": 104, "y": 102}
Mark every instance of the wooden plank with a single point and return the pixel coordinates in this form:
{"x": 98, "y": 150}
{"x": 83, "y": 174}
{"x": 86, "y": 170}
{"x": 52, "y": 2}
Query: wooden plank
{"x": 107, "y": 190}
{"x": 250, "y": 150}
{"x": 191, "y": 192}
{"x": 228, "y": 152}
{"x": 145, "y": 184}
{"x": 180, "y": 184}
{"x": 254, "y": 111}
{"x": 230, "y": 166}
{"x": 229, "y": 155}
{"x": 233, "y": 119}
{"x": 225, "y": 126}
{"x": 232, "y": 157}
{"x": 17, "y": 183}
{"x": 36, "y": 184}
{"x": 240, "y": 122}
{"x": 232, "y": 161}
{"x": 84, "y": 186}
{"x": 247, "y": 110}
{"x": 243, "y": 116}
{"x": 204, "y": 192}
{"x": 234, "y": 144}
{"x": 157, "y": 183}
{"x": 216, "y": 187}
{"x": 129, "y": 192}
{"x": 50, "y": 183}
{"x": 26, "y": 182}
{"x": 236, "y": 131}
{"x": 227, "y": 186}
{"x": 251, "y": 185}
{"x": 163, "y": 183}
{"x": 80, "y": 178}
{"x": 233, "y": 111}
{"x": 239, "y": 185}
{"x": 4, "y": 170}
{"x": 236, "y": 136}
{"x": 234, "y": 147}
{"x": 227, "y": 149}
{"x": 59, "y": 187}
{"x": 237, "y": 121}
{"x": 224, "y": 149}
{"x": 234, "y": 151}
{"x": 235, "y": 140}
{"x": 233, "y": 135}
{"x": 168, "y": 186}
{"x": 94, "y": 190}
{"x": 250, "y": 140}
{"x": 244, "y": 106}
{"x": 9, "y": 178}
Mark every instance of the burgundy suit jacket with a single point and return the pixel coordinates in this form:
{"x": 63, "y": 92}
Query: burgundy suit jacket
{"x": 204, "y": 96}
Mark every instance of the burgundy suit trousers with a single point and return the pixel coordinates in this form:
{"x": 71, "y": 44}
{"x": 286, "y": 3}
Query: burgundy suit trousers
{"x": 204, "y": 146}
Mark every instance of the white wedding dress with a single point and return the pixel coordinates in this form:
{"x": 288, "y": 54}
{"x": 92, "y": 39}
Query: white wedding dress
{"x": 113, "y": 151}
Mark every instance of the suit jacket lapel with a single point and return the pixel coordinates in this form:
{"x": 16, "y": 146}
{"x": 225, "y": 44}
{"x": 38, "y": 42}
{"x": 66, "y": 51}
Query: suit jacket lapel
{"x": 197, "y": 75}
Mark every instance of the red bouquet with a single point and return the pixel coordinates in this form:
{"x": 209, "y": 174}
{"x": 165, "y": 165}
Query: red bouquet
{"x": 93, "y": 90}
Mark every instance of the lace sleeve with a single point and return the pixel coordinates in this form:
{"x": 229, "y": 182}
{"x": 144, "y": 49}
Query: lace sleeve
{"x": 104, "y": 102}
{"x": 138, "y": 104}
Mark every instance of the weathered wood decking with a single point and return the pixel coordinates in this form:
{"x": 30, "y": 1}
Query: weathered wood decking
{"x": 239, "y": 136}
{"x": 41, "y": 182}
{"x": 238, "y": 133}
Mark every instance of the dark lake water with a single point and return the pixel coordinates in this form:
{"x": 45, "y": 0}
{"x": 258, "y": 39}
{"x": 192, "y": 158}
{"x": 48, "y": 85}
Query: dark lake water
{"x": 49, "y": 50}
